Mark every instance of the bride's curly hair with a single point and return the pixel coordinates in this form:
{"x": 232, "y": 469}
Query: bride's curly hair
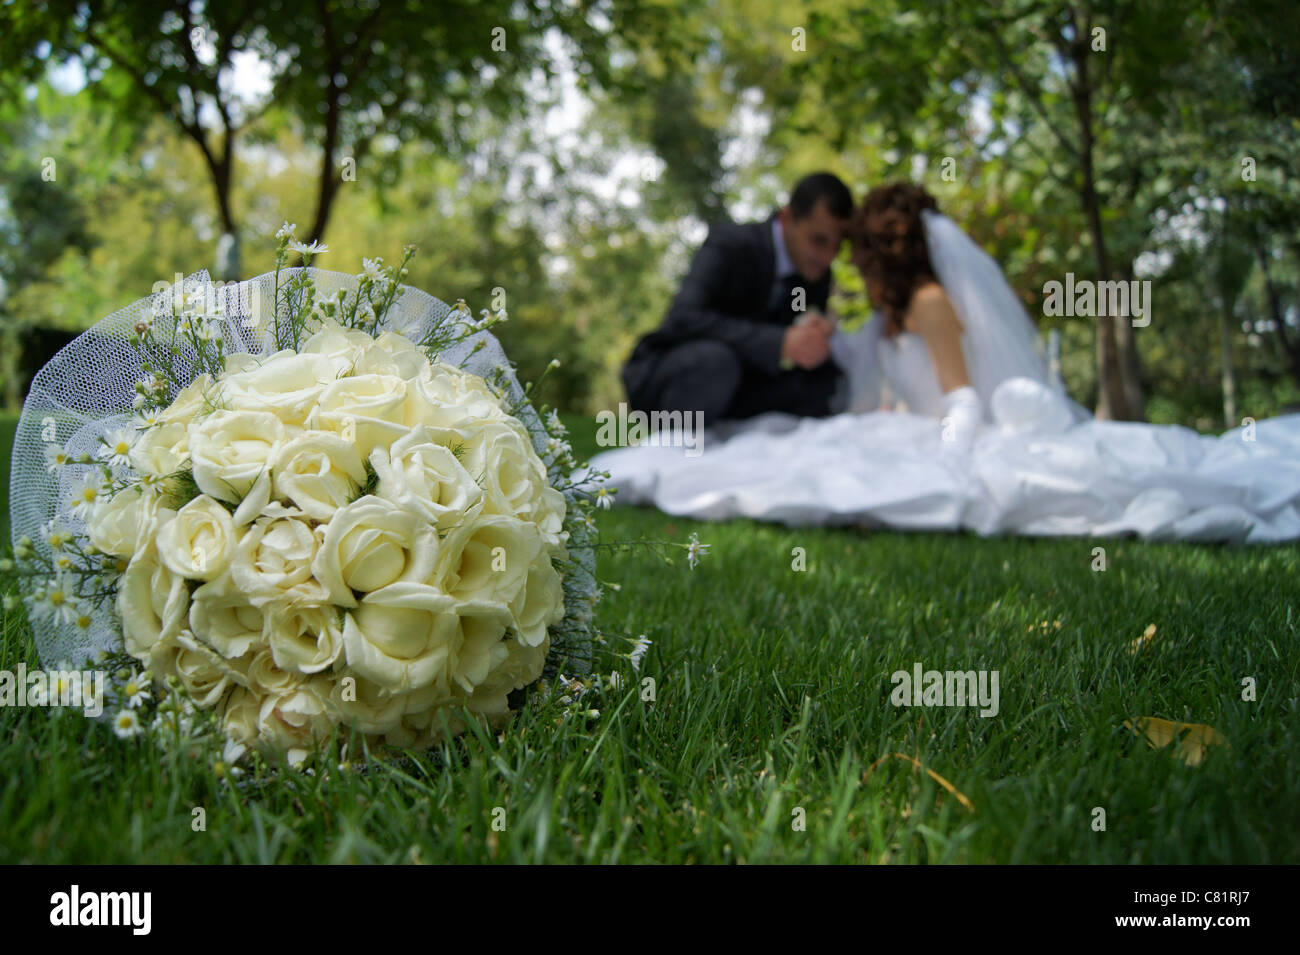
{"x": 889, "y": 244}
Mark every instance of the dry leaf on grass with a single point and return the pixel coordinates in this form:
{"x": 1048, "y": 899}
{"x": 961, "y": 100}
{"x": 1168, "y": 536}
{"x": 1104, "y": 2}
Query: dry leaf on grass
{"x": 1190, "y": 739}
{"x": 1148, "y": 635}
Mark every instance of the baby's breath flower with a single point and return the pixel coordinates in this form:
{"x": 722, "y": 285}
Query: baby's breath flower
{"x": 554, "y": 424}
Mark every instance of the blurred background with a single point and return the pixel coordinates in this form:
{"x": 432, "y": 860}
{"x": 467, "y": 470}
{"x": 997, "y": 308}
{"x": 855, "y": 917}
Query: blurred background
{"x": 566, "y": 157}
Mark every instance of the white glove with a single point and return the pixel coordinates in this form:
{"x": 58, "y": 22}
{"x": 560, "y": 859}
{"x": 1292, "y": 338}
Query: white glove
{"x": 961, "y": 419}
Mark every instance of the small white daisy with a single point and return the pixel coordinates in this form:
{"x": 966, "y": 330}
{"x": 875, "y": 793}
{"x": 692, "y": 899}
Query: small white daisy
{"x": 126, "y": 724}
{"x": 695, "y": 550}
{"x": 310, "y": 248}
{"x": 286, "y": 231}
{"x": 554, "y": 424}
{"x": 136, "y": 690}
{"x": 57, "y": 601}
{"x": 638, "y": 653}
{"x": 55, "y": 535}
{"x": 116, "y": 448}
{"x": 604, "y": 498}
{"x": 56, "y": 457}
{"x": 373, "y": 269}
{"x": 86, "y": 493}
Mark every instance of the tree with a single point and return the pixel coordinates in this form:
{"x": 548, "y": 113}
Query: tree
{"x": 352, "y": 76}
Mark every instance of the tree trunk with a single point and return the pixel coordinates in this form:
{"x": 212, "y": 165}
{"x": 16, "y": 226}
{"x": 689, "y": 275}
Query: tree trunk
{"x": 1112, "y": 398}
{"x": 1289, "y": 348}
{"x": 1229, "y": 376}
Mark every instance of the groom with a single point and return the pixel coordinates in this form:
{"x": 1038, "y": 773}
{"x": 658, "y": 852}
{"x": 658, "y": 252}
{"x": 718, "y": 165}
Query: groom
{"x": 745, "y": 333}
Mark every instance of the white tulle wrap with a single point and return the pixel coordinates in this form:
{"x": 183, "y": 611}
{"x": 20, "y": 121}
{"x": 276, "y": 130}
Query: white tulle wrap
{"x": 87, "y": 391}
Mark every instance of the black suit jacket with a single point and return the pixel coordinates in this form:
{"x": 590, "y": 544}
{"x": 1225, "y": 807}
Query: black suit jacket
{"x": 726, "y": 297}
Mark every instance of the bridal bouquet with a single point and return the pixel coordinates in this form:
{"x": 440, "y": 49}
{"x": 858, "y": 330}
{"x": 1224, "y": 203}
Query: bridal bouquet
{"x": 306, "y": 503}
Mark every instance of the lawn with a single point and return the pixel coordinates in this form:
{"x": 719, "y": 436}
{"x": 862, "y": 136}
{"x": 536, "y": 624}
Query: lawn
{"x": 771, "y": 734}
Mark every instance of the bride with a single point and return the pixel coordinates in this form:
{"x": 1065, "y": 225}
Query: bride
{"x": 983, "y": 439}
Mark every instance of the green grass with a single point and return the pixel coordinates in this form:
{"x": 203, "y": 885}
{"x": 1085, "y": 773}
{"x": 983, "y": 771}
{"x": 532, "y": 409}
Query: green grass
{"x": 772, "y": 695}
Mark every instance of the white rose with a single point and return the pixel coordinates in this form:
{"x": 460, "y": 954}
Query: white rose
{"x": 127, "y": 522}
{"x": 223, "y": 617}
{"x": 370, "y": 544}
{"x": 365, "y": 409}
{"x": 272, "y": 563}
{"x": 286, "y": 384}
{"x": 265, "y": 676}
{"x": 303, "y": 639}
{"x": 422, "y": 476}
{"x": 195, "y": 398}
{"x": 521, "y": 666}
{"x": 161, "y": 450}
{"x": 239, "y": 721}
{"x": 293, "y": 721}
{"x": 342, "y": 345}
{"x": 203, "y": 673}
{"x": 229, "y": 450}
{"x": 540, "y": 604}
{"x": 318, "y": 471}
{"x": 363, "y": 704}
{"x": 513, "y": 477}
{"x": 153, "y": 604}
{"x": 402, "y": 637}
{"x": 288, "y": 721}
{"x": 449, "y": 398}
{"x": 547, "y": 513}
{"x": 199, "y": 541}
{"x": 393, "y": 354}
{"x": 487, "y": 560}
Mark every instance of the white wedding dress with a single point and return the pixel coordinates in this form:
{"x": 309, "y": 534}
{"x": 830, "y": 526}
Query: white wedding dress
{"x": 1027, "y": 461}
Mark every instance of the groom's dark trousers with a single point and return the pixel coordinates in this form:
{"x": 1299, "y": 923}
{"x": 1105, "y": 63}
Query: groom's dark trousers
{"x": 718, "y": 349}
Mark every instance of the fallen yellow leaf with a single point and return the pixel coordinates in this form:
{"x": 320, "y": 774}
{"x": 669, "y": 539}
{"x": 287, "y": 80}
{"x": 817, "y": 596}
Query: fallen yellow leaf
{"x": 1190, "y": 739}
{"x": 1148, "y": 635}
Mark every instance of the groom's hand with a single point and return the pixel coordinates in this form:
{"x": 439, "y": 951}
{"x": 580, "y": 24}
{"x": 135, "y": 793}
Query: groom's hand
{"x": 807, "y": 344}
